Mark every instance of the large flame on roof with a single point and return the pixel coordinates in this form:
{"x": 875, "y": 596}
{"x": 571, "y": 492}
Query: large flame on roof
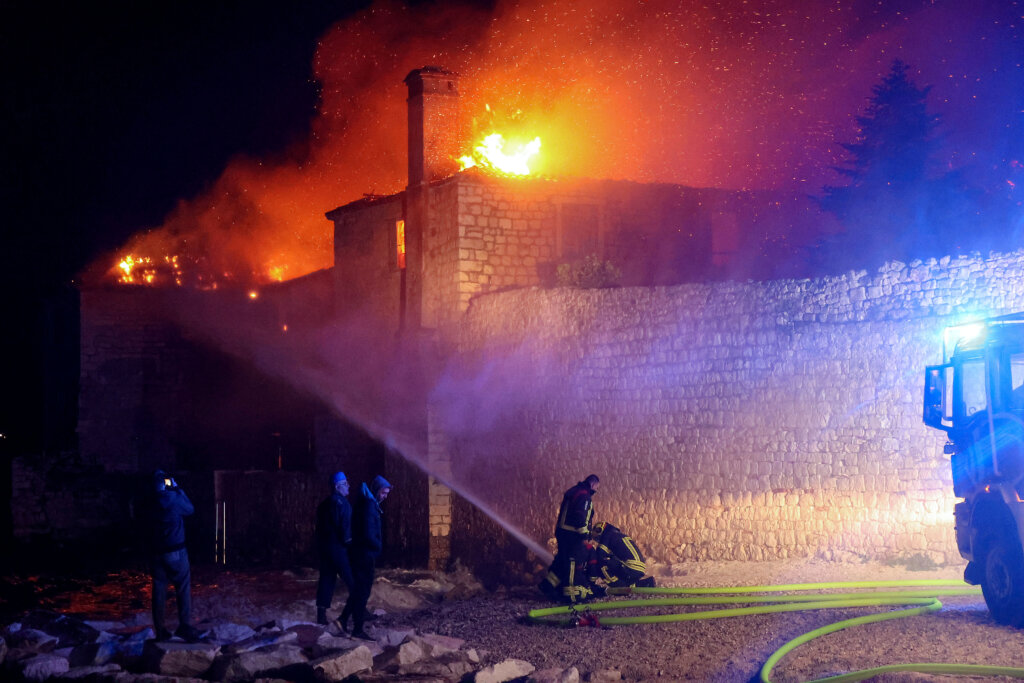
{"x": 491, "y": 154}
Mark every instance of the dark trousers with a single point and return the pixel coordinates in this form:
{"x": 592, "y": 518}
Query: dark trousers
{"x": 363, "y": 567}
{"x": 332, "y": 565}
{"x": 172, "y": 568}
{"x": 567, "y": 574}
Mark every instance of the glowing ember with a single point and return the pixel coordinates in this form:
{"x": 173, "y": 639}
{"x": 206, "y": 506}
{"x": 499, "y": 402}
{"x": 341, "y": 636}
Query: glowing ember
{"x": 136, "y": 270}
{"x": 253, "y": 294}
{"x": 491, "y": 154}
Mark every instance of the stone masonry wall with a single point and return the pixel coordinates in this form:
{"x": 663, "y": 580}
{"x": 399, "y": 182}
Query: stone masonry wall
{"x": 131, "y": 373}
{"x": 744, "y": 421}
{"x": 504, "y": 233}
{"x": 367, "y": 276}
{"x": 441, "y": 256}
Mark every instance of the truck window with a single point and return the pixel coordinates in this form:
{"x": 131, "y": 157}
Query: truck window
{"x": 1017, "y": 380}
{"x": 973, "y": 386}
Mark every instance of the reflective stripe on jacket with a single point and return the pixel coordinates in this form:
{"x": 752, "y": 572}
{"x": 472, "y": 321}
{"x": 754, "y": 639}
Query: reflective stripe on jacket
{"x": 576, "y": 511}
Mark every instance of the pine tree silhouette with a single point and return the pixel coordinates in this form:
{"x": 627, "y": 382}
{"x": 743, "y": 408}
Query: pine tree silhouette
{"x": 888, "y": 205}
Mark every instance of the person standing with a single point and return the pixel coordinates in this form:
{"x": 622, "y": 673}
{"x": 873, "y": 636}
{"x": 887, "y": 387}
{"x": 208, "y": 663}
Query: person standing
{"x": 566, "y": 579}
{"x": 367, "y": 543}
{"x": 333, "y": 537}
{"x": 168, "y": 556}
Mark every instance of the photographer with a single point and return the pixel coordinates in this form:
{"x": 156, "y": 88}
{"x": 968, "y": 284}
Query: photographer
{"x": 168, "y": 556}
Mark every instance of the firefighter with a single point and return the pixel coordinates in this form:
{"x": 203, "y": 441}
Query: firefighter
{"x": 333, "y": 536}
{"x": 566, "y": 579}
{"x": 617, "y": 562}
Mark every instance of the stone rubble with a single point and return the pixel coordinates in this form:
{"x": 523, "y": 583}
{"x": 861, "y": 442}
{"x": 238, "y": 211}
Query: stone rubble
{"x": 45, "y": 645}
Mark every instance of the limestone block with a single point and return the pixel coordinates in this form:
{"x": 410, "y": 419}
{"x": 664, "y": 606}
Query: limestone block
{"x": 436, "y": 645}
{"x": 338, "y": 666}
{"x": 42, "y": 666}
{"x": 247, "y": 666}
{"x": 397, "y": 658}
{"x": 327, "y": 644}
{"x": 102, "y": 672}
{"x": 179, "y": 659}
{"x": 506, "y": 670}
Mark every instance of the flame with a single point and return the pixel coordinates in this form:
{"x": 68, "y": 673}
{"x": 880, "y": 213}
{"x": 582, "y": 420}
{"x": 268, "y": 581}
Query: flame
{"x": 137, "y": 270}
{"x": 491, "y": 154}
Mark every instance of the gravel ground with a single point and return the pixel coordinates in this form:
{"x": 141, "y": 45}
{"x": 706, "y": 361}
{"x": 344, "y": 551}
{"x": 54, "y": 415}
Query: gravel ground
{"x": 734, "y": 649}
{"x": 730, "y": 649}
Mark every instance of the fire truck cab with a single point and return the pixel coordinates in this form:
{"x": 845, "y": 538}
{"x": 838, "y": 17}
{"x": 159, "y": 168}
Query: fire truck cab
{"x": 977, "y": 397}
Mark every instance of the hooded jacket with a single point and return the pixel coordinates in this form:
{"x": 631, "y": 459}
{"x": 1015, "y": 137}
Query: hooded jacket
{"x": 367, "y": 532}
{"x": 166, "y": 525}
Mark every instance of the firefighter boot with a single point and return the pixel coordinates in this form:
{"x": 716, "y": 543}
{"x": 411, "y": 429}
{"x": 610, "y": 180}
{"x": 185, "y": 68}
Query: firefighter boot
{"x": 321, "y": 616}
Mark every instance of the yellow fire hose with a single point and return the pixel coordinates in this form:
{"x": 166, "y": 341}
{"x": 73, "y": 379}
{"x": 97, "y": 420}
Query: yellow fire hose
{"x": 924, "y": 600}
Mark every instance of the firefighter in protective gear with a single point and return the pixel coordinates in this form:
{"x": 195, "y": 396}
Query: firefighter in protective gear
{"x": 617, "y": 562}
{"x": 567, "y": 579}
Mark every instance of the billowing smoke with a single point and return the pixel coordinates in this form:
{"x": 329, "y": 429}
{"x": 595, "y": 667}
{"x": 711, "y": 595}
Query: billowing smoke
{"x": 737, "y": 95}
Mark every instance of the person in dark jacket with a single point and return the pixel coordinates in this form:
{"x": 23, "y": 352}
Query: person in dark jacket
{"x": 333, "y": 537}
{"x": 617, "y": 561}
{"x": 367, "y": 543}
{"x": 566, "y": 579}
{"x": 168, "y": 555}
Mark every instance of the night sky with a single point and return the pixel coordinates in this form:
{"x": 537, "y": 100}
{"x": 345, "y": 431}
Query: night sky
{"x": 228, "y": 129}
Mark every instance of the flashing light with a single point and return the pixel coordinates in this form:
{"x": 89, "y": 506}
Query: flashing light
{"x": 956, "y": 335}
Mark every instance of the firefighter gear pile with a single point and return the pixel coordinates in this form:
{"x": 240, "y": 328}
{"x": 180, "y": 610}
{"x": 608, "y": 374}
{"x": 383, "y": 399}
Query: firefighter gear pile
{"x": 616, "y": 560}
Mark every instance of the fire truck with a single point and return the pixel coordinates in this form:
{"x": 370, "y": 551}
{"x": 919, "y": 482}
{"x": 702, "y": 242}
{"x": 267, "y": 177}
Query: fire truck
{"x": 976, "y": 396}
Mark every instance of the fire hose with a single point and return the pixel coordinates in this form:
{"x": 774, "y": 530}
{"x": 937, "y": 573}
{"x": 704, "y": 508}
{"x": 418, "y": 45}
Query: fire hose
{"x": 919, "y": 601}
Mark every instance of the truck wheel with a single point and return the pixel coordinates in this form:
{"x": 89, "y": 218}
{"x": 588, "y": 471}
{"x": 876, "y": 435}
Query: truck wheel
{"x": 1003, "y": 583}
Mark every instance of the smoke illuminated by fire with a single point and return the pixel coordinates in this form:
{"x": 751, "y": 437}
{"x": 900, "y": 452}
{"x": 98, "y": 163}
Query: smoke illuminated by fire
{"x": 739, "y": 95}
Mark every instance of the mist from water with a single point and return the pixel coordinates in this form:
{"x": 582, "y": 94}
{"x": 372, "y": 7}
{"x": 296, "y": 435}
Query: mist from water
{"x": 379, "y": 382}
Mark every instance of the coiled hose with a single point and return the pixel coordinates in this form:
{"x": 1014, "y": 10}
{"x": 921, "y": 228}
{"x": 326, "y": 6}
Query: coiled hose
{"x": 919, "y": 601}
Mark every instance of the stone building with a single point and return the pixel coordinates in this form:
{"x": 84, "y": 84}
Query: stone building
{"x": 728, "y": 419}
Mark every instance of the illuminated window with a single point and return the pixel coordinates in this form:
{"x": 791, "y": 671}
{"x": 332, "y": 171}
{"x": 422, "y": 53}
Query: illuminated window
{"x": 400, "y": 244}
{"x": 1017, "y": 380}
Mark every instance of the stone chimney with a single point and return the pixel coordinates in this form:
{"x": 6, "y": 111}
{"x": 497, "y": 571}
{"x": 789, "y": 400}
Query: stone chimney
{"x": 434, "y": 135}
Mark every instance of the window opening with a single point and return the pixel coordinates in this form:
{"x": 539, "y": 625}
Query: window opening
{"x": 400, "y": 243}
{"x": 974, "y": 395}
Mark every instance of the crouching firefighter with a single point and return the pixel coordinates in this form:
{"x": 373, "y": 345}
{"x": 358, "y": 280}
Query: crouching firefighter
{"x": 617, "y": 562}
{"x": 567, "y": 579}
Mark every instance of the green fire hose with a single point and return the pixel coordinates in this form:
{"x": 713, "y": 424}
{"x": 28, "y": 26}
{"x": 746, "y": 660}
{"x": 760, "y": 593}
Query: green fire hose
{"x": 918, "y": 601}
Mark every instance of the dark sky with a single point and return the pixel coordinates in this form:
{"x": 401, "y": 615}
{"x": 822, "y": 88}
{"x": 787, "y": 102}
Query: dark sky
{"x": 114, "y": 111}
{"x": 124, "y": 116}
{"x": 111, "y": 113}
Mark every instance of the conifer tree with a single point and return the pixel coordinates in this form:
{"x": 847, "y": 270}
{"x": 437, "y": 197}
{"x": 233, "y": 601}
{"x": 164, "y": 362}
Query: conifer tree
{"x": 886, "y": 207}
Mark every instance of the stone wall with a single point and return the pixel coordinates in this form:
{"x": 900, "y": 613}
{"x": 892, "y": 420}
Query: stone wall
{"x": 441, "y": 255}
{"x": 132, "y": 379}
{"x": 367, "y": 277}
{"x": 742, "y": 421}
